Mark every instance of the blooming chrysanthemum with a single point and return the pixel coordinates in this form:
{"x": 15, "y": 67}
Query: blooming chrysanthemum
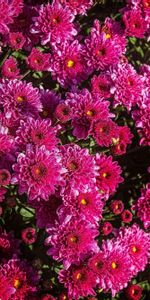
{"x": 104, "y": 131}
{"x": 121, "y": 140}
{"x": 16, "y": 40}
{"x": 36, "y": 133}
{"x": 37, "y": 172}
{"x": 4, "y": 177}
{"x": 9, "y": 10}
{"x": 68, "y": 65}
{"x": 10, "y": 68}
{"x": 54, "y": 23}
{"x": 100, "y": 52}
{"x": 29, "y": 235}
{"x": 127, "y": 85}
{"x": 72, "y": 240}
{"x": 86, "y": 205}
{"x": 21, "y": 277}
{"x": 79, "y": 280}
{"x": 46, "y": 211}
{"x": 126, "y": 216}
{"x": 19, "y": 100}
{"x": 86, "y": 109}
{"x": 38, "y": 61}
{"x": 118, "y": 270}
{"x": 117, "y": 207}
{"x": 106, "y": 228}
{"x": 76, "y": 6}
{"x": 101, "y": 84}
{"x": 108, "y": 174}
{"x": 142, "y": 206}
{"x": 137, "y": 244}
{"x": 135, "y": 24}
{"x": 63, "y": 112}
{"x": 80, "y": 166}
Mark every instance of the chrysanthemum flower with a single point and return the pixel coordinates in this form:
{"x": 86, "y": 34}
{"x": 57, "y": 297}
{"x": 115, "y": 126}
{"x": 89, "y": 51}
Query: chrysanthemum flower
{"x": 37, "y": 133}
{"x": 108, "y": 174}
{"x": 37, "y": 172}
{"x": 127, "y": 85}
{"x": 86, "y": 205}
{"x": 63, "y": 112}
{"x": 121, "y": 140}
{"x": 29, "y": 235}
{"x": 133, "y": 292}
{"x": 137, "y": 244}
{"x": 126, "y": 216}
{"x": 76, "y": 6}
{"x": 6, "y": 141}
{"x": 5, "y": 177}
{"x": 101, "y": 84}
{"x": 54, "y": 23}
{"x": 142, "y": 206}
{"x": 104, "y": 131}
{"x": 49, "y": 100}
{"x": 80, "y": 166}
{"x": 135, "y": 24}
{"x": 10, "y": 69}
{"x": 16, "y": 40}
{"x": 19, "y": 99}
{"x": 71, "y": 240}
{"x": 6, "y": 288}
{"x": 142, "y": 119}
{"x": 79, "y": 280}
{"x": 106, "y": 228}
{"x": 117, "y": 207}
{"x": 38, "y": 60}
{"x": 21, "y": 277}
{"x": 68, "y": 65}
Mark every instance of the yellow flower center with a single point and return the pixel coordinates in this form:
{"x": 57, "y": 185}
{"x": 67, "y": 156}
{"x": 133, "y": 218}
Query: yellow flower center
{"x": 104, "y": 175}
{"x": 73, "y": 239}
{"x": 115, "y": 141}
{"x": 114, "y": 265}
{"x": 17, "y": 283}
{"x": 108, "y": 35}
{"x": 83, "y": 201}
{"x": 134, "y": 249}
{"x": 79, "y": 276}
{"x": 20, "y": 99}
{"x": 90, "y": 113}
{"x": 70, "y": 63}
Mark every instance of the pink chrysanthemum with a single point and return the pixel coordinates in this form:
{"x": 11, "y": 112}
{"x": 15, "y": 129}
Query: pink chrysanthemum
{"x": 4, "y": 177}
{"x": 135, "y": 24}
{"x": 137, "y": 244}
{"x": 10, "y": 69}
{"x": 118, "y": 270}
{"x": 133, "y": 292}
{"x": 100, "y": 52}
{"x": 86, "y": 109}
{"x": 63, "y": 112}
{"x": 37, "y": 133}
{"x": 71, "y": 240}
{"x": 101, "y": 84}
{"x": 127, "y": 85}
{"x": 68, "y": 65}
{"x": 19, "y": 99}
{"x": 108, "y": 174}
{"x": 106, "y": 228}
{"x": 86, "y": 205}
{"x": 16, "y": 40}
{"x": 142, "y": 206}
{"x": 117, "y": 207}
{"x": 80, "y": 166}
{"x": 21, "y": 277}
{"x": 38, "y": 61}
{"x": 104, "y": 131}
{"x": 9, "y": 10}
{"x": 76, "y": 6}
{"x": 126, "y": 216}
{"x": 29, "y": 235}
{"x": 54, "y": 23}
{"x": 37, "y": 172}
{"x": 79, "y": 280}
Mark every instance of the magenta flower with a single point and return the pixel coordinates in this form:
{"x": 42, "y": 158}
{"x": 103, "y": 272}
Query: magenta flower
{"x": 6, "y": 142}
{"x": 9, "y": 10}
{"x": 16, "y": 40}
{"x": 104, "y": 131}
{"x": 29, "y": 235}
{"x": 54, "y": 24}
{"x": 80, "y": 166}
{"x": 37, "y": 172}
{"x": 122, "y": 139}
{"x": 21, "y": 277}
{"x": 37, "y": 133}
{"x": 126, "y": 216}
{"x": 76, "y": 6}
{"x": 10, "y": 68}
{"x": 109, "y": 176}
{"x": 117, "y": 207}
{"x": 19, "y": 99}
{"x": 79, "y": 280}
{"x": 101, "y": 84}
{"x": 68, "y": 65}
{"x": 133, "y": 292}
{"x": 6, "y": 288}
{"x": 38, "y": 61}
{"x": 106, "y": 228}
{"x": 142, "y": 206}
{"x": 49, "y": 100}
{"x": 5, "y": 177}
{"x": 72, "y": 240}
{"x": 135, "y": 24}
{"x": 137, "y": 244}
{"x": 63, "y": 112}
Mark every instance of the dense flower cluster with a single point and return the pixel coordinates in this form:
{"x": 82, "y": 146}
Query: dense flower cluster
{"x": 73, "y": 108}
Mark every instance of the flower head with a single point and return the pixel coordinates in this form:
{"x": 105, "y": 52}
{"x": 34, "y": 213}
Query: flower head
{"x": 10, "y": 69}
{"x": 38, "y": 61}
